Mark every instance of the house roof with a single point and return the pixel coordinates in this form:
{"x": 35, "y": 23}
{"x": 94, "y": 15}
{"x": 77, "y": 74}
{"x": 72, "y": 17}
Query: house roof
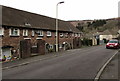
{"x": 18, "y": 18}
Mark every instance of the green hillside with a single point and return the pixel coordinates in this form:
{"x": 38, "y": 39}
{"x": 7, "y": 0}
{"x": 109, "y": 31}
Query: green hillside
{"x": 108, "y": 26}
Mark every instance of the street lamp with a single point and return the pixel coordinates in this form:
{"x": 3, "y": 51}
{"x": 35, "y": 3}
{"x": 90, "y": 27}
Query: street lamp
{"x": 57, "y": 25}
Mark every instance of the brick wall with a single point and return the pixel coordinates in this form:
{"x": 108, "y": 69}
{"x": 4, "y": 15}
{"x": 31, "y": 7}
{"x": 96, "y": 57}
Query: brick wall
{"x": 15, "y": 40}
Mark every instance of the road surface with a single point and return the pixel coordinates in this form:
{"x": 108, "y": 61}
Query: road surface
{"x": 81, "y": 63}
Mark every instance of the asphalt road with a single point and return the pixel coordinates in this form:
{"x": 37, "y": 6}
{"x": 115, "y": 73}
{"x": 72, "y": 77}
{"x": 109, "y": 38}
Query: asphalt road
{"x": 75, "y": 64}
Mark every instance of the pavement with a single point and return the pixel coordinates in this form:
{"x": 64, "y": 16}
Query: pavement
{"x": 111, "y": 71}
{"x": 20, "y": 62}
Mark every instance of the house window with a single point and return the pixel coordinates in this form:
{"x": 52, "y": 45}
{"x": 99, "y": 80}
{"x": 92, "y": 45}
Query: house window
{"x": 70, "y": 35}
{"x": 40, "y": 33}
{"x": 49, "y": 33}
{"x": 1, "y": 31}
{"x": 33, "y": 33}
{"x": 79, "y": 35}
{"x": 61, "y": 35}
{"x": 25, "y": 32}
{"x": 66, "y": 35}
{"x": 14, "y": 32}
{"x": 76, "y": 35}
{"x": 73, "y": 34}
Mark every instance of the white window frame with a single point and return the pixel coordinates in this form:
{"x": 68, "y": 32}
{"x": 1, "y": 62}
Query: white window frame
{"x": 49, "y": 33}
{"x": 76, "y": 35}
{"x": 61, "y": 35}
{"x": 2, "y": 31}
{"x": 79, "y": 35}
{"x": 14, "y": 29}
{"x": 33, "y": 33}
{"x": 73, "y": 34}
{"x": 25, "y": 32}
{"x": 40, "y": 33}
{"x": 66, "y": 35}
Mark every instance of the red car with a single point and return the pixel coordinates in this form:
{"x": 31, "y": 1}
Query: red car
{"x": 113, "y": 44}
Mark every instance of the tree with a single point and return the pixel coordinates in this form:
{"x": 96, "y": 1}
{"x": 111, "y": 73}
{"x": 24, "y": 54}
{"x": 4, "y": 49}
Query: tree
{"x": 98, "y": 23}
{"x": 89, "y": 24}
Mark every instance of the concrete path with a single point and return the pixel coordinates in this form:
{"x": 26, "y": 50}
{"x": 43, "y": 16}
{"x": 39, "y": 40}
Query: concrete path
{"x": 112, "y": 70}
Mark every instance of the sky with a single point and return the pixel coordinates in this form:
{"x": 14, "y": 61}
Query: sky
{"x": 69, "y": 10}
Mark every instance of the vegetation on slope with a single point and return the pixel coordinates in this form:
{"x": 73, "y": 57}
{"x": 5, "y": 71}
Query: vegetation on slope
{"x": 90, "y": 28}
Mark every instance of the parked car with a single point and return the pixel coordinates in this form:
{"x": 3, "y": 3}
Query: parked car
{"x": 113, "y": 44}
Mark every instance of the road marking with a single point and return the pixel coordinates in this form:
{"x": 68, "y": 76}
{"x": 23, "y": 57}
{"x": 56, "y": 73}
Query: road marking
{"x": 103, "y": 67}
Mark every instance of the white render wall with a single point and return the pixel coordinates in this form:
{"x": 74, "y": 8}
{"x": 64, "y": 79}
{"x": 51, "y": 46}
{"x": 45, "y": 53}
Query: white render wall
{"x": 107, "y": 37}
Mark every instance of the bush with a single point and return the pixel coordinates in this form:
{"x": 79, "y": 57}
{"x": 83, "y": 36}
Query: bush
{"x": 86, "y": 42}
{"x": 50, "y": 50}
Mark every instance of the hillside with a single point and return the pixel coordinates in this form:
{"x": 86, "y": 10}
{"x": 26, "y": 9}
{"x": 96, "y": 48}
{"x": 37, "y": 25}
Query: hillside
{"x": 108, "y": 26}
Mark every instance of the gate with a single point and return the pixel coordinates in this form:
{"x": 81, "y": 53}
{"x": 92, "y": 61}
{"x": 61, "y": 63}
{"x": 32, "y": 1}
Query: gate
{"x": 38, "y": 49}
{"x": 27, "y": 50}
{"x": 34, "y": 49}
{"x": 76, "y": 43}
{"x": 41, "y": 47}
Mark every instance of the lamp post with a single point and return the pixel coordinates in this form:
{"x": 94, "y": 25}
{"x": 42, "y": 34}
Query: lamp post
{"x": 57, "y": 25}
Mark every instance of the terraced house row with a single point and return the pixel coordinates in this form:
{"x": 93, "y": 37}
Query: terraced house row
{"x": 18, "y": 25}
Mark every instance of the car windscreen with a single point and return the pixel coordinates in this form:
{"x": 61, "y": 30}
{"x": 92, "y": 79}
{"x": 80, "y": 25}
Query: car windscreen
{"x": 113, "y": 41}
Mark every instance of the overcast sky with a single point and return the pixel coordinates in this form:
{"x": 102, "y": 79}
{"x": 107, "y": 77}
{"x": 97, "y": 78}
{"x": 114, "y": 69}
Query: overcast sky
{"x": 70, "y": 10}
